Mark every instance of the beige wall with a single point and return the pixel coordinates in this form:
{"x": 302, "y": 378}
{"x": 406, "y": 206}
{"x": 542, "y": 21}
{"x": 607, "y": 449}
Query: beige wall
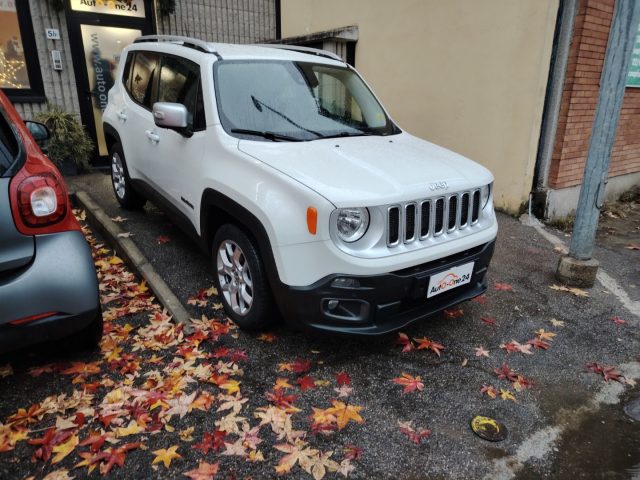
{"x": 468, "y": 75}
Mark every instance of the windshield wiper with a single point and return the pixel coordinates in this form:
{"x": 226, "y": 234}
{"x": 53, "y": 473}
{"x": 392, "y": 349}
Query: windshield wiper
{"x": 359, "y": 133}
{"x": 268, "y": 135}
{"x": 259, "y": 103}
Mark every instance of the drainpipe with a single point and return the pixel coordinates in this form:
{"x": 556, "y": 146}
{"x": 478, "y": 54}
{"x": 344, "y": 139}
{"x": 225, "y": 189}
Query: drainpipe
{"x": 559, "y": 57}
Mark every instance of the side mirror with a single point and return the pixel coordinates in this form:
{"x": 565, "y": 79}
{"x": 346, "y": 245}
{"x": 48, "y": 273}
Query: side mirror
{"x": 170, "y": 115}
{"x": 38, "y": 130}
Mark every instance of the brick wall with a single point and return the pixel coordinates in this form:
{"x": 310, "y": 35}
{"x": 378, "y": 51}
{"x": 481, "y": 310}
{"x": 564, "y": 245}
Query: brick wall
{"x": 579, "y": 99}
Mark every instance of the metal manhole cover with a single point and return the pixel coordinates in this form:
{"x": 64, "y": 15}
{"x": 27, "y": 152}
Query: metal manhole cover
{"x": 488, "y": 428}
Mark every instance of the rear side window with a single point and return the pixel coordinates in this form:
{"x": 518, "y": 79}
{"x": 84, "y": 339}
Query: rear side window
{"x": 8, "y": 145}
{"x": 180, "y": 83}
{"x": 144, "y": 71}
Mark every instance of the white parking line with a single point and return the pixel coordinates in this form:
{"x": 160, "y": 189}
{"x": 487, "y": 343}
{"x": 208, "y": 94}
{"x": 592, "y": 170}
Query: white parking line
{"x": 603, "y": 277}
{"x": 540, "y": 443}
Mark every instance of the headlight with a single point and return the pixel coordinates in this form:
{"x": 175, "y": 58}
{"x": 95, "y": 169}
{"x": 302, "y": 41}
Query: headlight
{"x": 352, "y": 223}
{"x": 485, "y": 193}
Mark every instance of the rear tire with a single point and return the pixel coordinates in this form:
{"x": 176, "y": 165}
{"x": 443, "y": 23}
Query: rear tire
{"x": 121, "y": 182}
{"x": 241, "y": 280}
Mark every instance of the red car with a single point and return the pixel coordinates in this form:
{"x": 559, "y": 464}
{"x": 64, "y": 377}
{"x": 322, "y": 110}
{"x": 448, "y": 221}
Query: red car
{"x": 48, "y": 284}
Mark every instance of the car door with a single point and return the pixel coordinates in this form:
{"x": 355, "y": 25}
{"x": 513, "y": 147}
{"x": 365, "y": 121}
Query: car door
{"x": 136, "y": 120}
{"x": 175, "y": 158}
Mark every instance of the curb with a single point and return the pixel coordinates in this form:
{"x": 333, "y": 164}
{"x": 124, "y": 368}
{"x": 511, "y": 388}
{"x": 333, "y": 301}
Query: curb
{"x": 129, "y": 252}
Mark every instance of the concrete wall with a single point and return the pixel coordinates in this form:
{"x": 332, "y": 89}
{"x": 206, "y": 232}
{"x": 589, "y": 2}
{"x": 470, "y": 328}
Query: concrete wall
{"x": 470, "y": 76}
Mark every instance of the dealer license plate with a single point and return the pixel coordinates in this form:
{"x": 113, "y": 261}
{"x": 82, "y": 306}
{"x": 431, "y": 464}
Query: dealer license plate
{"x": 449, "y": 279}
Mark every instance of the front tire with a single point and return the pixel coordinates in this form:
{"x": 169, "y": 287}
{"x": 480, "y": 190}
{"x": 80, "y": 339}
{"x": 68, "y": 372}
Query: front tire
{"x": 121, "y": 182}
{"x": 241, "y": 280}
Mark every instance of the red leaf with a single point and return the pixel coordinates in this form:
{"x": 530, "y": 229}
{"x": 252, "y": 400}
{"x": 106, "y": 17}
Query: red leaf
{"x": 306, "y": 383}
{"x": 537, "y": 343}
{"x": 161, "y": 239}
{"x": 504, "y": 287}
{"x": 608, "y": 373}
{"x": 213, "y": 442}
{"x": 405, "y": 341}
{"x": 351, "y": 452}
{"x": 280, "y": 400}
{"x": 617, "y": 320}
{"x": 50, "y": 439}
{"x": 343, "y": 379}
{"x": 451, "y": 313}
{"x": 488, "y": 320}
{"x": 480, "y": 299}
{"x": 238, "y": 355}
{"x": 505, "y": 372}
{"x": 301, "y": 366}
{"x": 409, "y": 382}
{"x": 425, "y": 343}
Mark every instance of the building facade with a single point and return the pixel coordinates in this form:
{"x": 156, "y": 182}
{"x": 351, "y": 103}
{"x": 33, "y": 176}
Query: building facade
{"x": 478, "y": 78}
{"x": 64, "y": 52}
{"x": 561, "y": 174}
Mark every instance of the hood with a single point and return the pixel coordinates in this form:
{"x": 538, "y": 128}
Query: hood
{"x": 370, "y": 170}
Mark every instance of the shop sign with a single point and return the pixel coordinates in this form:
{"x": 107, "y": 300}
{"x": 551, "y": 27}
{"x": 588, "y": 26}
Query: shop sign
{"x": 633, "y": 77}
{"x": 7, "y": 5}
{"x": 127, "y": 8}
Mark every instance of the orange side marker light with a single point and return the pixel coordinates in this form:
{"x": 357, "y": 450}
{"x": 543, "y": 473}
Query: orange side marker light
{"x": 312, "y": 220}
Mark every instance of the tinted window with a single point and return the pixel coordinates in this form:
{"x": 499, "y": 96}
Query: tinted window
{"x": 8, "y": 145}
{"x": 145, "y": 67}
{"x": 126, "y": 74}
{"x": 180, "y": 83}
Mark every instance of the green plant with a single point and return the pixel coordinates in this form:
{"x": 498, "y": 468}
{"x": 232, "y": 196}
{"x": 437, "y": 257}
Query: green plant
{"x": 166, "y": 7}
{"x": 69, "y": 142}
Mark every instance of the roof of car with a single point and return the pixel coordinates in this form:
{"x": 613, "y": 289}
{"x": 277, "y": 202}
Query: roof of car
{"x": 228, "y": 51}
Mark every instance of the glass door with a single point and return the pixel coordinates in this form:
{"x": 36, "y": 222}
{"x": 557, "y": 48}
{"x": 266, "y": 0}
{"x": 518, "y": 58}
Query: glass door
{"x": 98, "y": 31}
{"x": 102, "y": 48}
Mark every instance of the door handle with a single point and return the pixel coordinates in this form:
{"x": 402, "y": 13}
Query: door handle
{"x": 122, "y": 116}
{"x": 152, "y": 136}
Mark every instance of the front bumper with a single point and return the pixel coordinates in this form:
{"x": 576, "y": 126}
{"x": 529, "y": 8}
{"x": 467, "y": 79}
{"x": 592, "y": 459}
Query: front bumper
{"x": 381, "y": 303}
{"x": 61, "y": 279}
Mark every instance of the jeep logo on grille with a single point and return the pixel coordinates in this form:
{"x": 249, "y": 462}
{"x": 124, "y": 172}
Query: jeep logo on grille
{"x": 437, "y": 186}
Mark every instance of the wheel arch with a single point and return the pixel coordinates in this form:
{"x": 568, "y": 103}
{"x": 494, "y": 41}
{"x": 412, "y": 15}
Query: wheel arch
{"x": 216, "y": 209}
{"x": 111, "y": 136}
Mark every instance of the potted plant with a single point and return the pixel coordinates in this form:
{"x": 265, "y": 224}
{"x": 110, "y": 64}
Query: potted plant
{"x": 69, "y": 145}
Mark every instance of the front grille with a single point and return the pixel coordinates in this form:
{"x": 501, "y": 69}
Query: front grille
{"x": 417, "y": 221}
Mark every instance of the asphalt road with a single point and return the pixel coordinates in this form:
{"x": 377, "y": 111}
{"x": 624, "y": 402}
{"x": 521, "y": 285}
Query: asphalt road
{"x": 564, "y": 396}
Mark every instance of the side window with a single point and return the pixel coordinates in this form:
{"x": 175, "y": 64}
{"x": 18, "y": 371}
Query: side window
{"x": 180, "y": 83}
{"x": 8, "y": 145}
{"x": 145, "y": 68}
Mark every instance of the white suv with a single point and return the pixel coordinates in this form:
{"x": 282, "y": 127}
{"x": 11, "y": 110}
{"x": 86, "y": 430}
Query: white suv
{"x": 283, "y": 165}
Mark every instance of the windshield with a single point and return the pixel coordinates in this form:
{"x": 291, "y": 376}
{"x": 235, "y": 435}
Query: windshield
{"x": 295, "y": 101}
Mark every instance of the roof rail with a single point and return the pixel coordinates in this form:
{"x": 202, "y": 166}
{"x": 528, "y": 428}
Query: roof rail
{"x": 307, "y": 50}
{"x": 188, "y": 42}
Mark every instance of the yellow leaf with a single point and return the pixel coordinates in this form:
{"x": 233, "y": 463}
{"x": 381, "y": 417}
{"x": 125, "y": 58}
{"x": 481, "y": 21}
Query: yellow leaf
{"x": 344, "y": 413}
{"x": 166, "y": 455}
{"x": 130, "y": 429}
{"x": 115, "y": 260}
{"x": 506, "y": 395}
{"x": 231, "y": 386}
{"x": 65, "y": 448}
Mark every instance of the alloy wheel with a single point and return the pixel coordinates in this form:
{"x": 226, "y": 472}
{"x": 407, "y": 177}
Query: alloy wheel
{"x": 117, "y": 175}
{"x": 234, "y": 276}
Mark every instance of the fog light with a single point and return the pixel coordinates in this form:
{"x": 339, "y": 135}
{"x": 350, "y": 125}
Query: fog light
{"x": 332, "y": 304}
{"x": 345, "y": 282}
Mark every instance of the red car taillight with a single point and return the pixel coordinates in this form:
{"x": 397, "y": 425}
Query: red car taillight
{"x": 42, "y": 200}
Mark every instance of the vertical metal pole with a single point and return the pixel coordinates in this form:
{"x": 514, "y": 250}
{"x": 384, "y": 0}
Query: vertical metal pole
{"x": 624, "y": 28}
